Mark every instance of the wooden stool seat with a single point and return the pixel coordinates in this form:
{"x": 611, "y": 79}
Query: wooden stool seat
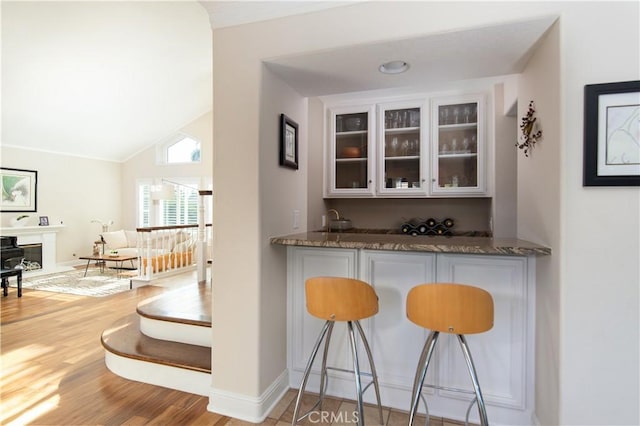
{"x": 340, "y": 299}
{"x": 449, "y": 308}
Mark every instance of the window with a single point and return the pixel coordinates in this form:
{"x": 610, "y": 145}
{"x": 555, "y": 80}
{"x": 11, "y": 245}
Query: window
{"x": 180, "y": 208}
{"x": 179, "y": 149}
{"x": 186, "y": 150}
{"x": 183, "y": 208}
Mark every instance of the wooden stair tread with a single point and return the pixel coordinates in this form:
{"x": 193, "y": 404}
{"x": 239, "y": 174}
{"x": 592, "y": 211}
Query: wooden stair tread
{"x": 190, "y": 304}
{"x": 124, "y": 338}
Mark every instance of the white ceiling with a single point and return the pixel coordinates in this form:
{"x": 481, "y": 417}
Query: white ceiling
{"x": 102, "y": 79}
{"x": 108, "y": 79}
{"x": 434, "y": 59}
{"x": 238, "y": 12}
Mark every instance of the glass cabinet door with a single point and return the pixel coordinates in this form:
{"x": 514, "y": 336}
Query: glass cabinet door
{"x": 350, "y": 152}
{"x": 401, "y": 152}
{"x": 457, "y": 150}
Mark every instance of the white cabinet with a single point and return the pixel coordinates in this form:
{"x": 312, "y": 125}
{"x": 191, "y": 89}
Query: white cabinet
{"x": 400, "y": 149}
{"x": 396, "y": 342}
{"x": 458, "y": 146}
{"x": 304, "y": 329}
{"x": 349, "y": 170}
{"x": 504, "y": 356}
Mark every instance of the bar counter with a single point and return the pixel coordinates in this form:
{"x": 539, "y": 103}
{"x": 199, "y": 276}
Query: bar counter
{"x": 420, "y": 243}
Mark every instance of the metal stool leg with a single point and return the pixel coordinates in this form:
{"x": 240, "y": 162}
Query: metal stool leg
{"x": 324, "y": 379}
{"x": 356, "y": 372}
{"x": 474, "y": 378}
{"x": 421, "y": 373}
{"x": 307, "y": 371}
{"x": 374, "y": 374}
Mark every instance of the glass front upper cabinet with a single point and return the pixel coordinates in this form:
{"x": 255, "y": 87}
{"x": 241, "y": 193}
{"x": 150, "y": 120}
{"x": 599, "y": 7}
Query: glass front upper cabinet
{"x": 401, "y": 151}
{"x": 350, "y": 149}
{"x": 458, "y": 146}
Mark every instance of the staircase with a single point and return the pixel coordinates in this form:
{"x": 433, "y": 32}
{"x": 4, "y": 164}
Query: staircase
{"x": 166, "y": 342}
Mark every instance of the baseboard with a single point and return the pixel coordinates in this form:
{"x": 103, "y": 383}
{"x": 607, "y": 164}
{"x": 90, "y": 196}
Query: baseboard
{"x": 249, "y": 409}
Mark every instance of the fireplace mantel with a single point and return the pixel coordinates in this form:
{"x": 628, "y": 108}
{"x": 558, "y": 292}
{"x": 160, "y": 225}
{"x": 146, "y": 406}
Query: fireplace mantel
{"x": 45, "y": 235}
{"x": 27, "y": 230}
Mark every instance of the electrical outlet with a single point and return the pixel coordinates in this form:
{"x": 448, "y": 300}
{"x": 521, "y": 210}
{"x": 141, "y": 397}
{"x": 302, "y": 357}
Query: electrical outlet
{"x": 296, "y": 219}
{"x": 324, "y": 221}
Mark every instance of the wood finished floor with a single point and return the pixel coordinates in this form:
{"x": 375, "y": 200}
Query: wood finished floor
{"x": 53, "y": 371}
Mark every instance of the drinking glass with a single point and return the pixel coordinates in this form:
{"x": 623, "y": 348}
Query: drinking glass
{"x": 394, "y": 146}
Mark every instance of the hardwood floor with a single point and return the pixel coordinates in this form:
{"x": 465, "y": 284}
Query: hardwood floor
{"x": 53, "y": 371}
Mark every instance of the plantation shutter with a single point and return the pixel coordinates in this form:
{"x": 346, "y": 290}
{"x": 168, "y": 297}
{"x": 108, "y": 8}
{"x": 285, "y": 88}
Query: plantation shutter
{"x": 183, "y": 209}
{"x": 144, "y": 205}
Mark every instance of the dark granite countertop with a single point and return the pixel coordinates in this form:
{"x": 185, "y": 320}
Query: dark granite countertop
{"x": 421, "y": 243}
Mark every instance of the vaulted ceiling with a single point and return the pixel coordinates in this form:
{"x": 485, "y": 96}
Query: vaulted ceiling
{"x": 102, "y": 79}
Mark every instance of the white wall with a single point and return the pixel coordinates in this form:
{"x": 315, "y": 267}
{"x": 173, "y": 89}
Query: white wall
{"x": 600, "y": 276}
{"x": 71, "y": 190}
{"x": 539, "y": 213}
{"x": 143, "y": 165}
{"x": 504, "y": 203}
{"x": 577, "y": 386}
{"x": 282, "y": 191}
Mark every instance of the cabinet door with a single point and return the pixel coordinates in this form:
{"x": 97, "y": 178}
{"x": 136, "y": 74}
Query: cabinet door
{"x": 458, "y": 158}
{"x": 396, "y": 342}
{"x": 304, "y": 329}
{"x": 503, "y": 355}
{"x": 349, "y": 165}
{"x": 401, "y": 149}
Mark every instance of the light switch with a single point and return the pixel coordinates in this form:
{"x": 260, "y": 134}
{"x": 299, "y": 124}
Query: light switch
{"x": 296, "y": 219}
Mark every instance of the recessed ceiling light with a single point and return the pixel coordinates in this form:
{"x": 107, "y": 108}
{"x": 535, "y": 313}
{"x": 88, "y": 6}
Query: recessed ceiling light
{"x": 393, "y": 67}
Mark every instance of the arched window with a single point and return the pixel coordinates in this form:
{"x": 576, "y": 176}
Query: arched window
{"x": 179, "y": 149}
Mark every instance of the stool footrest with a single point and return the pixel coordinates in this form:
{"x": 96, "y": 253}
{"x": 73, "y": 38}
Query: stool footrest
{"x": 447, "y": 388}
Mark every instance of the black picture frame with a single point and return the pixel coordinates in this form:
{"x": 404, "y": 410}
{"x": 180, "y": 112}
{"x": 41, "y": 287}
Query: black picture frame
{"x": 19, "y": 190}
{"x": 609, "y": 137}
{"x": 44, "y": 220}
{"x": 288, "y": 142}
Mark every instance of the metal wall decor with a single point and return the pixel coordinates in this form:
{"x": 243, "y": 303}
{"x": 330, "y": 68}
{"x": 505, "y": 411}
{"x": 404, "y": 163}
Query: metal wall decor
{"x": 531, "y": 132}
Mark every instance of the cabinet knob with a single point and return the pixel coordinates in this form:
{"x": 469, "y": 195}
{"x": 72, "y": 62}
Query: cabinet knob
{"x": 433, "y": 180}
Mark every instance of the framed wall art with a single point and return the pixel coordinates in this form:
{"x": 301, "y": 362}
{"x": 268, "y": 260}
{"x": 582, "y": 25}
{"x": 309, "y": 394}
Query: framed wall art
{"x": 612, "y": 134}
{"x": 19, "y": 190}
{"x": 288, "y": 142}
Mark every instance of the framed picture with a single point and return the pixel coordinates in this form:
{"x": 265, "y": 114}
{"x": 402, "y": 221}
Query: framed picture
{"x": 44, "y": 220}
{"x": 288, "y": 142}
{"x": 612, "y": 134}
{"x": 19, "y": 190}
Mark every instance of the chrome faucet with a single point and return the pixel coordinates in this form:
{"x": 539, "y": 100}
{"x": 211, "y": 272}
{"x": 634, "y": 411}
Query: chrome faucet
{"x": 329, "y": 221}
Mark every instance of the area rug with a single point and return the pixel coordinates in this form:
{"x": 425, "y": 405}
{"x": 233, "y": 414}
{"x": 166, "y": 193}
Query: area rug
{"x": 95, "y": 284}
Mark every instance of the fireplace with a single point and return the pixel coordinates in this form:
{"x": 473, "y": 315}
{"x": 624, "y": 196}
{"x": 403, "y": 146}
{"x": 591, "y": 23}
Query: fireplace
{"x": 45, "y": 238}
{"x": 32, "y": 256}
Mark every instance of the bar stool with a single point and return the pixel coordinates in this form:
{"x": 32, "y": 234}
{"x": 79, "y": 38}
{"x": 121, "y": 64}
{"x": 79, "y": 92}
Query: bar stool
{"x": 449, "y": 308}
{"x": 340, "y": 299}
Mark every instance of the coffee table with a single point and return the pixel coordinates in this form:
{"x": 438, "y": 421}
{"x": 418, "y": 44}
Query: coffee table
{"x": 103, "y": 258}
